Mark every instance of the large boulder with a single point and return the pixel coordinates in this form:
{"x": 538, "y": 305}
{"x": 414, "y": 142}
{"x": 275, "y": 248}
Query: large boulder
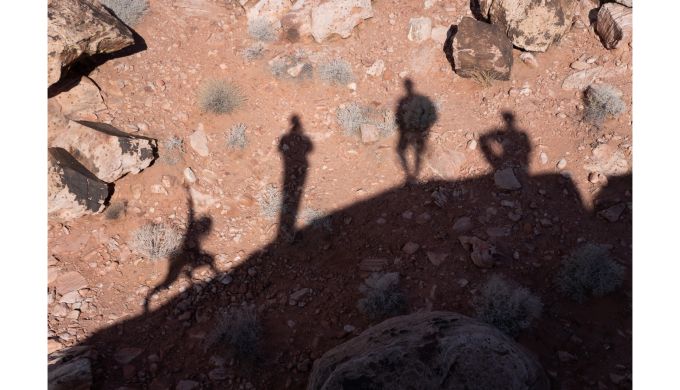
{"x": 268, "y": 10}
{"x": 532, "y": 25}
{"x": 81, "y": 101}
{"x": 77, "y": 28}
{"x": 480, "y": 47}
{"x": 429, "y": 350}
{"x": 614, "y": 24}
{"x": 104, "y": 150}
{"x": 72, "y": 190}
{"x": 339, "y": 17}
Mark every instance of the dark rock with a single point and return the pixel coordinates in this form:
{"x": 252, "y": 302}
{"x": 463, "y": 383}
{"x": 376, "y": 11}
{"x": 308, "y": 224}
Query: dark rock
{"x": 479, "y": 47}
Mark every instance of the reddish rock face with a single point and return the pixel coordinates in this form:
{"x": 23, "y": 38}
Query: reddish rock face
{"x": 480, "y": 47}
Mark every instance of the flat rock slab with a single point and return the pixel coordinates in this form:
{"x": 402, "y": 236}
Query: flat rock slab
{"x": 69, "y": 282}
{"x": 429, "y": 350}
{"x": 505, "y": 179}
{"x": 480, "y": 47}
{"x": 338, "y": 17}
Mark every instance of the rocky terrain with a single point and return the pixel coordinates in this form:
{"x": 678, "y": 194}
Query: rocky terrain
{"x": 270, "y": 194}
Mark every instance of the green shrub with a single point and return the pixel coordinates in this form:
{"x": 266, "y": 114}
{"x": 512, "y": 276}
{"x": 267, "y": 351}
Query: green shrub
{"x": 506, "y": 305}
{"x": 220, "y": 97}
{"x": 589, "y": 271}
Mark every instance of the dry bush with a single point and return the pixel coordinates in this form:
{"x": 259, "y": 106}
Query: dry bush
{"x": 351, "y": 116}
{"x": 336, "y": 71}
{"x": 128, "y": 11}
{"x": 156, "y": 240}
{"x": 316, "y": 219}
{"x": 507, "y": 306}
{"x": 220, "y": 97}
{"x": 261, "y": 30}
{"x": 236, "y": 138}
{"x": 254, "y": 52}
{"x": 270, "y": 202}
{"x": 240, "y": 328}
{"x": 602, "y": 101}
{"x": 382, "y": 296}
{"x": 482, "y": 77}
{"x": 589, "y": 271}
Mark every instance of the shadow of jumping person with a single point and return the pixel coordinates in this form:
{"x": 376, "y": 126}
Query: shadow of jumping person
{"x": 294, "y": 148}
{"x": 189, "y": 255}
{"x": 415, "y": 115}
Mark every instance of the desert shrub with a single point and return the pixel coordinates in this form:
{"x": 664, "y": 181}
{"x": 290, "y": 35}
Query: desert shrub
{"x": 382, "y": 296}
{"x": 129, "y": 11}
{"x": 174, "y": 143}
{"x": 253, "y": 52}
{"x": 236, "y": 138}
{"x": 589, "y": 271}
{"x": 220, "y": 97}
{"x": 156, "y": 240}
{"x": 240, "y": 329}
{"x": 336, "y": 71}
{"x": 270, "y": 202}
{"x": 388, "y": 125}
{"x": 602, "y": 101}
{"x": 115, "y": 210}
{"x": 316, "y": 219}
{"x": 281, "y": 65}
{"x": 351, "y": 117}
{"x": 507, "y": 306}
{"x": 262, "y": 30}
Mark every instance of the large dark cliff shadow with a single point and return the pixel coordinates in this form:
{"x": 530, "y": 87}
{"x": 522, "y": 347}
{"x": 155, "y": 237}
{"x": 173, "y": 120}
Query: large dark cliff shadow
{"x": 533, "y": 227}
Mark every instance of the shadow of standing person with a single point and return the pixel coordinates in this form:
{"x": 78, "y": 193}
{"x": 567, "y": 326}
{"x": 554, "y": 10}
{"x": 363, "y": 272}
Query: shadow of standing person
{"x": 189, "y": 254}
{"x": 294, "y": 148}
{"x": 507, "y": 147}
{"x": 415, "y": 115}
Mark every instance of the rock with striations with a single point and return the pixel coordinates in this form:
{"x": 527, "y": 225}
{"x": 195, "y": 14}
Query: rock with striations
{"x": 532, "y": 25}
{"x": 429, "y": 350}
{"x": 72, "y": 190}
{"x": 77, "y": 28}
{"x": 480, "y": 47}
{"x": 338, "y": 17}
{"x": 614, "y": 24}
{"x": 104, "y": 150}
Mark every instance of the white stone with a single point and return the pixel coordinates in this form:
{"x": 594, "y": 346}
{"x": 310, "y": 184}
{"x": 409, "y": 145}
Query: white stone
{"x": 419, "y": 29}
{"x": 338, "y": 17}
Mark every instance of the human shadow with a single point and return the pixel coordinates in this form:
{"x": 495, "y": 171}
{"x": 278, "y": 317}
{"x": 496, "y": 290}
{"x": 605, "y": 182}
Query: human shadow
{"x": 415, "y": 115}
{"x": 189, "y": 254}
{"x": 294, "y": 148}
{"x": 307, "y": 291}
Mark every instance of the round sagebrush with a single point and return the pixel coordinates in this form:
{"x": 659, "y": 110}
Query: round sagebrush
{"x": 236, "y": 138}
{"x": 220, "y": 97}
{"x": 602, "y": 101}
{"x": 589, "y": 271}
{"x": 128, "y": 11}
{"x": 261, "y": 30}
{"x": 156, "y": 240}
{"x": 507, "y": 306}
{"x": 336, "y": 72}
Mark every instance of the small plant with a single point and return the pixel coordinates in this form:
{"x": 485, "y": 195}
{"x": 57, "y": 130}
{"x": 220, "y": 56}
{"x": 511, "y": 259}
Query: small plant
{"x": 172, "y": 149}
{"x": 261, "y": 30}
{"x": 220, "y": 97}
{"x": 236, "y": 138}
{"x": 254, "y": 52}
{"x": 507, "y": 306}
{"x": 336, "y": 71}
{"x": 602, "y": 101}
{"x": 382, "y": 296}
{"x": 240, "y": 328}
{"x": 270, "y": 202}
{"x": 156, "y": 240}
{"x": 351, "y": 117}
{"x": 128, "y": 11}
{"x": 589, "y": 271}
{"x": 316, "y": 219}
{"x": 482, "y": 77}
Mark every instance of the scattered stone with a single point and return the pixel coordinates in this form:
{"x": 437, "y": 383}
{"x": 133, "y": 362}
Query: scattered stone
{"x": 472, "y": 144}
{"x": 462, "y": 224}
{"x": 443, "y": 162}
{"x": 70, "y": 374}
{"x": 439, "y": 34}
{"x": 614, "y": 24}
{"x": 186, "y": 384}
{"x": 543, "y": 158}
{"x": 419, "y": 29}
{"x": 376, "y": 69}
{"x": 349, "y": 328}
{"x": 463, "y": 282}
{"x": 299, "y": 294}
{"x": 158, "y": 189}
{"x": 69, "y": 282}
{"x": 189, "y": 175}
{"x": 429, "y": 349}
{"x": 529, "y": 59}
{"x": 481, "y": 252}
{"x": 70, "y": 298}
{"x": 627, "y": 3}
{"x": 369, "y": 133}
{"x": 226, "y": 279}
{"x": 581, "y": 79}
{"x": 505, "y": 179}
{"x": 608, "y": 159}
{"x": 597, "y": 178}
{"x": 80, "y": 28}
{"x": 561, "y": 164}
{"x": 410, "y": 248}
{"x": 294, "y": 71}
{"x": 613, "y": 213}
{"x": 104, "y": 150}
{"x": 481, "y": 48}
{"x": 437, "y": 258}
{"x": 338, "y": 17}
{"x": 298, "y": 22}
{"x": 532, "y": 25}
{"x": 127, "y": 354}
{"x": 53, "y": 345}
{"x": 218, "y": 374}
{"x": 72, "y": 190}
{"x": 199, "y": 142}
{"x": 168, "y": 181}
{"x": 498, "y": 231}
{"x": 579, "y": 65}
{"x": 373, "y": 265}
